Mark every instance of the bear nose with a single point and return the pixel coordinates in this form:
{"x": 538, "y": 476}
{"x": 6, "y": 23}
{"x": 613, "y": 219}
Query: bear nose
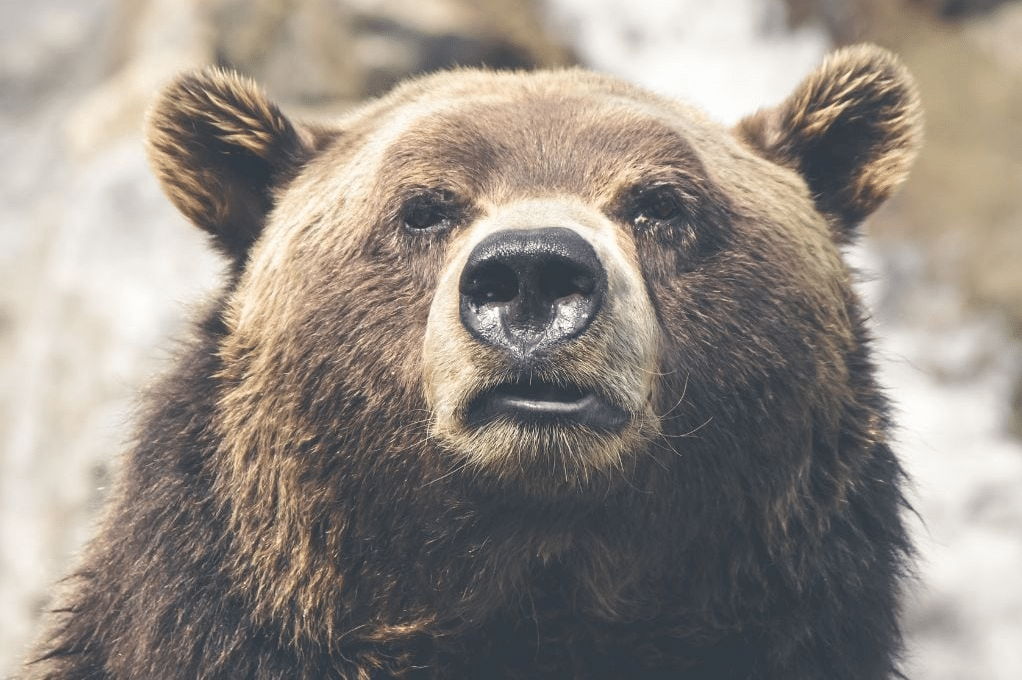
{"x": 525, "y": 290}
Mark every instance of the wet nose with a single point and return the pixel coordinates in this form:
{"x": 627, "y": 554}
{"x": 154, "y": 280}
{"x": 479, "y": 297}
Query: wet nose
{"x": 526, "y": 290}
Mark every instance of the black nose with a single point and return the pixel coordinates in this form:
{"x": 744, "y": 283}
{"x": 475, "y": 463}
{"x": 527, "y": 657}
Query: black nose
{"x": 525, "y": 290}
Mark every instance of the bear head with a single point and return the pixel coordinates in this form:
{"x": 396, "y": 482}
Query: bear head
{"x": 552, "y": 304}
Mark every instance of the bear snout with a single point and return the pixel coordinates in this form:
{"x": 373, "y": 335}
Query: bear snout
{"x": 526, "y": 290}
{"x": 541, "y": 345}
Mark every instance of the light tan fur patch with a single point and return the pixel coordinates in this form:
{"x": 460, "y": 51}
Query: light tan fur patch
{"x": 616, "y": 357}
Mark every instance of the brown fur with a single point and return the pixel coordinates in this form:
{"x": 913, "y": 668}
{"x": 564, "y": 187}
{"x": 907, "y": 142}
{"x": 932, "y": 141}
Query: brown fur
{"x": 236, "y": 146}
{"x": 303, "y": 503}
{"x": 852, "y": 131}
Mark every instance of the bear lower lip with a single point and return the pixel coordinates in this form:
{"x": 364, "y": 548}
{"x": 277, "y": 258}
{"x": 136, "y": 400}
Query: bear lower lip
{"x": 546, "y": 403}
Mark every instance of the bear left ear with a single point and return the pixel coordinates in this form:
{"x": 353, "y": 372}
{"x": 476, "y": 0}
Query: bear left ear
{"x": 851, "y": 130}
{"x": 220, "y": 148}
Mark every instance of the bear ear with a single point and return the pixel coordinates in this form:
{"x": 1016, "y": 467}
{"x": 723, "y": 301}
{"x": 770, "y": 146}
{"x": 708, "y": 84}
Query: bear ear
{"x": 851, "y": 130}
{"x": 220, "y": 148}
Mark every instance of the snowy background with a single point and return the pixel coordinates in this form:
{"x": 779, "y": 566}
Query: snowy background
{"x": 97, "y": 271}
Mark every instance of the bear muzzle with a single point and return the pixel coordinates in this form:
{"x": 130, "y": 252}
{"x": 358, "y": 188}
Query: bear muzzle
{"x": 523, "y": 292}
{"x": 541, "y": 343}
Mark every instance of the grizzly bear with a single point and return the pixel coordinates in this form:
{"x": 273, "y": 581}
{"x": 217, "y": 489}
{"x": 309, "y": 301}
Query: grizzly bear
{"x": 514, "y": 375}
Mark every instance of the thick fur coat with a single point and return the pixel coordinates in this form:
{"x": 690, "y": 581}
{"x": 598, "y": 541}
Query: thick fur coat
{"x": 513, "y": 376}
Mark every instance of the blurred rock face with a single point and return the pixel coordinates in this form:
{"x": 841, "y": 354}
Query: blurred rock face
{"x": 96, "y": 265}
{"x": 306, "y": 53}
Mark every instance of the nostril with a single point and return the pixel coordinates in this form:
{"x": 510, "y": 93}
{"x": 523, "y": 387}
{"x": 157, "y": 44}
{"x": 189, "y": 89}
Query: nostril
{"x": 562, "y": 279}
{"x": 491, "y": 283}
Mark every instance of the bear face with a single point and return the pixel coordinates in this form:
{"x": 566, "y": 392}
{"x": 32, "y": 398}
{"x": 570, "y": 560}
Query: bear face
{"x": 531, "y": 373}
{"x": 671, "y": 206}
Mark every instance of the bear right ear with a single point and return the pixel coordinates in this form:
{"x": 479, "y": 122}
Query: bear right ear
{"x": 219, "y": 148}
{"x": 851, "y": 130}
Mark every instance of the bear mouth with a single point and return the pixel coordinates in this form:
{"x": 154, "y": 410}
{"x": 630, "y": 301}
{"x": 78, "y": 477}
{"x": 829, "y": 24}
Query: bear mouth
{"x": 545, "y": 403}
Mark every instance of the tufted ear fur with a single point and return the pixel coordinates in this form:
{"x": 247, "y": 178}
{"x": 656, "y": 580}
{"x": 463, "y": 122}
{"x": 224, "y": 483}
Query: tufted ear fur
{"x": 851, "y": 130}
{"x": 220, "y": 148}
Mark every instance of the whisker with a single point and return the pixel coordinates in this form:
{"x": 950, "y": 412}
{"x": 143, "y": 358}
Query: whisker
{"x": 447, "y": 474}
{"x": 681, "y": 399}
{"x": 690, "y": 432}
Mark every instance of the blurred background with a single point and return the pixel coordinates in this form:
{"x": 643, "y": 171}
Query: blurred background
{"x": 97, "y": 271}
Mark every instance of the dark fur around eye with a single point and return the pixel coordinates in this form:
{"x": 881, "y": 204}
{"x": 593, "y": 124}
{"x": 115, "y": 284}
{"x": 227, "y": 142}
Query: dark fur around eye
{"x": 431, "y": 211}
{"x": 659, "y": 205}
{"x": 650, "y": 208}
{"x": 673, "y": 213}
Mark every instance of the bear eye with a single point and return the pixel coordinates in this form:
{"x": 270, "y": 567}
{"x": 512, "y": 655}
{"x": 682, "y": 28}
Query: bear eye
{"x": 656, "y": 206}
{"x": 430, "y": 212}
